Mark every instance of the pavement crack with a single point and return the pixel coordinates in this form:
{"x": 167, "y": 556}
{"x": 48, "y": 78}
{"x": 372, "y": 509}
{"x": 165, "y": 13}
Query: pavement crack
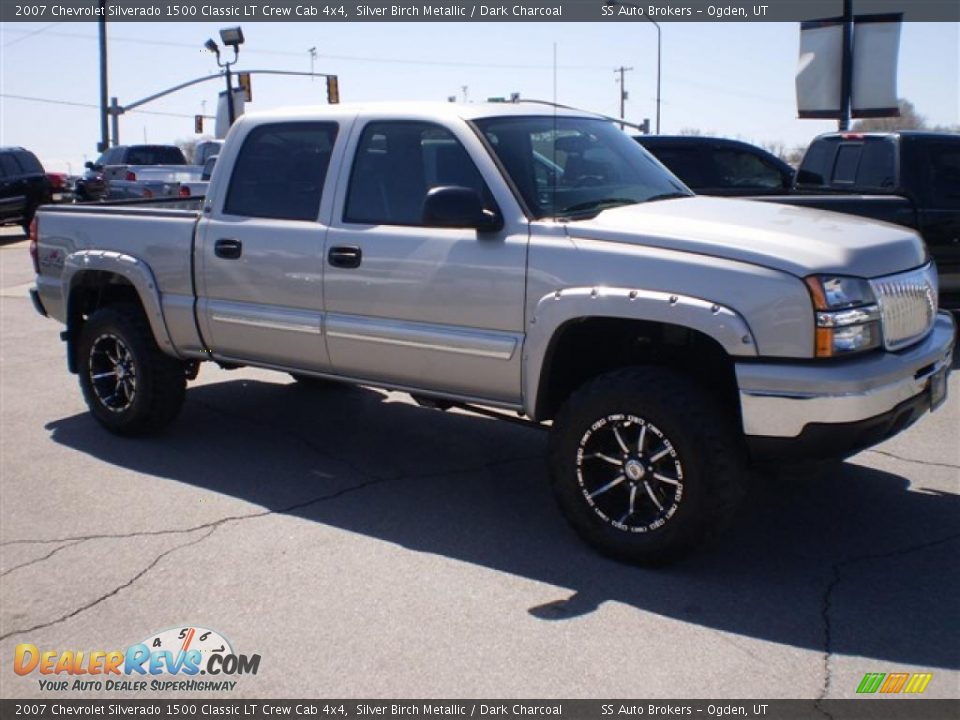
{"x": 213, "y": 524}
{"x": 827, "y": 602}
{"x": 69, "y": 541}
{"x": 930, "y": 463}
{"x": 49, "y": 555}
{"x": 120, "y": 588}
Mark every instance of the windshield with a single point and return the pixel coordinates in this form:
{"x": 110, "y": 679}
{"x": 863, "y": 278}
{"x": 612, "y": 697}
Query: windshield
{"x": 575, "y": 167}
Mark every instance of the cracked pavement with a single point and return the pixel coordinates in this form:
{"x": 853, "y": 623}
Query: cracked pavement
{"x": 367, "y": 547}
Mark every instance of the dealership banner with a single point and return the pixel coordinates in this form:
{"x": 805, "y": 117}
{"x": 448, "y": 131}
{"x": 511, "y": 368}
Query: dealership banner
{"x": 610, "y": 11}
{"x": 914, "y": 709}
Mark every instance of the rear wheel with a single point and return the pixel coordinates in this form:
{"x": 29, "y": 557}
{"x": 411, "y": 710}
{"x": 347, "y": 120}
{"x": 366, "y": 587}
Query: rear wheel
{"x": 129, "y": 384}
{"x": 644, "y": 465}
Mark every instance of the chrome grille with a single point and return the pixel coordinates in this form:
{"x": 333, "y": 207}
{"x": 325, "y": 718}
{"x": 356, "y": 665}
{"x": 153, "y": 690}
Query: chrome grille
{"x": 908, "y": 303}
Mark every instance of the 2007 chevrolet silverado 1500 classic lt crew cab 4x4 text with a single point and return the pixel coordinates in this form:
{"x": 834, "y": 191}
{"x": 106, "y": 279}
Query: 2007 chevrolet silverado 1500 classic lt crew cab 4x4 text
{"x": 500, "y": 256}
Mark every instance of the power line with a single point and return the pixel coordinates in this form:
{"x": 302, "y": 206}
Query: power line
{"x": 348, "y": 58}
{"x": 53, "y": 101}
{"x": 29, "y": 34}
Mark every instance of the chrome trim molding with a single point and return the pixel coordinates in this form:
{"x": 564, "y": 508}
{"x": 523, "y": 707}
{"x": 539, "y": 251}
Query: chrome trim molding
{"x": 269, "y": 324}
{"x": 908, "y": 303}
{"x": 418, "y": 337}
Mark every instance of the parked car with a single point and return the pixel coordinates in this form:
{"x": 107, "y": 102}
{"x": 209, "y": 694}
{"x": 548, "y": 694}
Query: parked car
{"x": 192, "y": 188}
{"x": 908, "y": 178}
{"x": 119, "y": 162}
{"x": 151, "y": 181}
{"x": 671, "y": 339}
{"x": 62, "y": 187}
{"x": 24, "y": 186}
{"x": 718, "y": 166}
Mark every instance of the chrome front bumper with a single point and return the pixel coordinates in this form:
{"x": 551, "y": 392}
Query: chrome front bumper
{"x": 780, "y": 400}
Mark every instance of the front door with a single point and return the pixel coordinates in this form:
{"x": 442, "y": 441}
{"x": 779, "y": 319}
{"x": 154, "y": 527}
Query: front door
{"x": 423, "y": 307}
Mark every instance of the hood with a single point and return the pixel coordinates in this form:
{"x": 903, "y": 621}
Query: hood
{"x": 801, "y": 241}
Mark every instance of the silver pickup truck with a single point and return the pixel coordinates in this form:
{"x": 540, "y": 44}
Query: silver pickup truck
{"x": 538, "y": 262}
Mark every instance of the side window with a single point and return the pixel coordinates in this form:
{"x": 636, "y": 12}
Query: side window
{"x": 280, "y": 171}
{"x": 877, "y": 165}
{"x": 28, "y": 161}
{"x": 815, "y": 167}
{"x": 9, "y": 165}
{"x": 745, "y": 170}
{"x": 845, "y": 167}
{"x": 686, "y": 164}
{"x": 397, "y": 163}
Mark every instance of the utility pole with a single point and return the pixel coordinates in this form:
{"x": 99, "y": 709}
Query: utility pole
{"x": 623, "y": 91}
{"x": 104, "y": 112}
{"x": 313, "y": 57}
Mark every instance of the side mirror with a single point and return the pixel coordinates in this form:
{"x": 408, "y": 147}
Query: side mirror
{"x": 458, "y": 207}
{"x": 89, "y": 165}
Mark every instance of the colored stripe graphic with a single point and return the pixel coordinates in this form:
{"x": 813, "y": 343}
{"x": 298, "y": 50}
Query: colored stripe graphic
{"x": 918, "y": 683}
{"x": 870, "y": 683}
{"x": 894, "y": 682}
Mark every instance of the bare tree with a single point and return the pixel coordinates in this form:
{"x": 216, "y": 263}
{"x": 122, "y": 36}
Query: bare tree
{"x": 189, "y": 147}
{"x": 909, "y": 119}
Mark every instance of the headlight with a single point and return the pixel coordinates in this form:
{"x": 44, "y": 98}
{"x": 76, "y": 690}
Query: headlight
{"x": 848, "y": 318}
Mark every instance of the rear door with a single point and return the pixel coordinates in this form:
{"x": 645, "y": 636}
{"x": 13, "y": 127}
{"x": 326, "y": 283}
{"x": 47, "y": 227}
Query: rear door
{"x": 259, "y": 254}
{"x": 12, "y": 188}
{"x": 939, "y": 163}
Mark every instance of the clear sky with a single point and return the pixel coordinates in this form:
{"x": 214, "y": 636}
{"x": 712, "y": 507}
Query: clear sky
{"x": 730, "y": 79}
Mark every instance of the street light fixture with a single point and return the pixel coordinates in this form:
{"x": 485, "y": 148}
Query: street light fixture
{"x": 233, "y": 37}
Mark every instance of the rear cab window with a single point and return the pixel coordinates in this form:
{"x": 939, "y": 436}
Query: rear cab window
{"x": 868, "y": 163}
{"x": 155, "y": 155}
{"x": 281, "y": 170}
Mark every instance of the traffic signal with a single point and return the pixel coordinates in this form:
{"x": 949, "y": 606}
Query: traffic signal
{"x": 333, "y": 90}
{"x": 245, "y": 84}
{"x": 198, "y": 124}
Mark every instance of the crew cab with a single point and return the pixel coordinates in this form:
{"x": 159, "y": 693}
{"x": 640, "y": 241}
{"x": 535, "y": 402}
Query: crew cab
{"x": 512, "y": 260}
{"x": 911, "y": 178}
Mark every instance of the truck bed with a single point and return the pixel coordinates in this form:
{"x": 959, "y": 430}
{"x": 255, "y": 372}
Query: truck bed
{"x": 158, "y": 232}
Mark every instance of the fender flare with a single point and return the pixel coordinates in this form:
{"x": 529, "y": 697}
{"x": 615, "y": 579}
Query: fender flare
{"x": 134, "y": 271}
{"x": 555, "y": 310}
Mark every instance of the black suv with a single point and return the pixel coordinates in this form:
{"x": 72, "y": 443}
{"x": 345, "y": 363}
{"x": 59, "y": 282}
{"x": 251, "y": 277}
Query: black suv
{"x": 718, "y": 166}
{"x": 24, "y": 186}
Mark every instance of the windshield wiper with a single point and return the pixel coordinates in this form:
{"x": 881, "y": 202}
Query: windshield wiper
{"x": 601, "y": 204}
{"x": 668, "y": 196}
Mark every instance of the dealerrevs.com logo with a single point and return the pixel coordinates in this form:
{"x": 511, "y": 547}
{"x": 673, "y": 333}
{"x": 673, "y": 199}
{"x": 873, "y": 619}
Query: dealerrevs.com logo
{"x": 170, "y": 660}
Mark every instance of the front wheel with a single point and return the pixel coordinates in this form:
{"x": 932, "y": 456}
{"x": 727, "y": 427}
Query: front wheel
{"x": 129, "y": 384}
{"x": 644, "y": 464}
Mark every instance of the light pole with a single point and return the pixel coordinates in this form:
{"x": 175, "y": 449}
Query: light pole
{"x": 659, "y": 46}
{"x": 640, "y": 11}
{"x": 232, "y": 36}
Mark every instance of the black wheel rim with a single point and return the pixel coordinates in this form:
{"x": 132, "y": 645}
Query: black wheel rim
{"x": 630, "y": 473}
{"x": 113, "y": 373}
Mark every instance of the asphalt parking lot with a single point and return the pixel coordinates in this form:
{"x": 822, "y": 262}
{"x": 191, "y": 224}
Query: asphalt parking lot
{"x": 366, "y": 547}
